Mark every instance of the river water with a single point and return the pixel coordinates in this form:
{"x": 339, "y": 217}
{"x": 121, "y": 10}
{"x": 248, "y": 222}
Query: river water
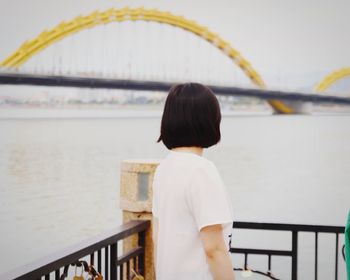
{"x": 60, "y": 177}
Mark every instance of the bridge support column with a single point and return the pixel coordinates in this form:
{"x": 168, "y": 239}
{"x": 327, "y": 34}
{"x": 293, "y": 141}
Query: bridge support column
{"x": 136, "y": 203}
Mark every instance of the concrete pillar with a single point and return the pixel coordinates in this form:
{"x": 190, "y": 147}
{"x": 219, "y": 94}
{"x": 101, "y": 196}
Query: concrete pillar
{"x": 136, "y": 203}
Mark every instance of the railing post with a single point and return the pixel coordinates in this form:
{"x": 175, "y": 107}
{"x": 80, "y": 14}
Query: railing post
{"x": 294, "y": 255}
{"x": 113, "y": 261}
{"x": 136, "y": 203}
{"x": 141, "y": 242}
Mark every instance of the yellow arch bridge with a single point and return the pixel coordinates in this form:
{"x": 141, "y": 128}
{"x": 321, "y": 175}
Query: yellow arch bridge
{"x": 32, "y": 47}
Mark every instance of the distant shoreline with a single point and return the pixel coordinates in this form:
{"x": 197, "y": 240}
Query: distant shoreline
{"x": 129, "y": 113}
{"x": 50, "y": 113}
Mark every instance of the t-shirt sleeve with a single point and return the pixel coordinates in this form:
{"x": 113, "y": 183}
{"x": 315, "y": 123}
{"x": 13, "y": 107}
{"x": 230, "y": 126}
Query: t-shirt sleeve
{"x": 207, "y": 197}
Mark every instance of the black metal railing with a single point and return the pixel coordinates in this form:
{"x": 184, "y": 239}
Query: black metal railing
{"x": 294, "y": 229}
{"x": 97, "y": 256}
{"x": 100, "y": 255}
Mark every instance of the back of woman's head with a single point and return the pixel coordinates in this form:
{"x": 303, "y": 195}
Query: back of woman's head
{"x": 191, "y": 117}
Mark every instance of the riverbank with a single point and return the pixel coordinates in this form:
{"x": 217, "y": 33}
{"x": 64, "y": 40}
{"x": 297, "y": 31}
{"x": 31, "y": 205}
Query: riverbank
{"x": 64, "y": 113}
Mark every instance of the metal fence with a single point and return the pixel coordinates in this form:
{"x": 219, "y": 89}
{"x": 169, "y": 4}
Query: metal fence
{"x": 99, "y": 256}
{"x": 295, "y": 230}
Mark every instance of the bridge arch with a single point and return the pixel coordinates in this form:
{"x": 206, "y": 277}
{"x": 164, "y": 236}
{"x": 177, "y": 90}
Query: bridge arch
{"x": 65, "y": 29}
{"x": 332, "y": 78}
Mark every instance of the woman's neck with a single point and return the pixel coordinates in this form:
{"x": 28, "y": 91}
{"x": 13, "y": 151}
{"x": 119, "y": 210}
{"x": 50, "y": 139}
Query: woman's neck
{"x": 194, "y": 150}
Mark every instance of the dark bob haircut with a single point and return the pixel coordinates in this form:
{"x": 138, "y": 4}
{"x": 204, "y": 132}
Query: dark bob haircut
{"x": 191, "y": 117}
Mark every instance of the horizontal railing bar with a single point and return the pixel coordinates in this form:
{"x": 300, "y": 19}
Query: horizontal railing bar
{"x": 129, "y": 255}
{"x": 90, "y": 82}
{"x": 288, "y": 227}
{"x": 77, "y": 251}
{"x": 260, "y": 252}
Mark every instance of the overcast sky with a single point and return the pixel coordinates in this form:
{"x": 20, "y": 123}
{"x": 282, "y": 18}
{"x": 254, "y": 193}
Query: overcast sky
{"x": 296, "y": 38}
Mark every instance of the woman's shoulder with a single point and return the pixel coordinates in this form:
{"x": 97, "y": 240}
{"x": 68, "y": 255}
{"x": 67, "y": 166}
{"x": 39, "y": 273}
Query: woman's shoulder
{"x": 200, "y": 164}
{"x": 207, "y": 166}
{"x": 191, "y": 158}
{"x": 190, "y": 161}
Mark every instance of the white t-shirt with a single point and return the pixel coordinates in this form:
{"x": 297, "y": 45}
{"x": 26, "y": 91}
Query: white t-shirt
{"x": 188, "y": 194}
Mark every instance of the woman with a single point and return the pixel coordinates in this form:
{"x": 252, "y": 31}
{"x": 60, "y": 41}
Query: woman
{"x": 192, "y": 213}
